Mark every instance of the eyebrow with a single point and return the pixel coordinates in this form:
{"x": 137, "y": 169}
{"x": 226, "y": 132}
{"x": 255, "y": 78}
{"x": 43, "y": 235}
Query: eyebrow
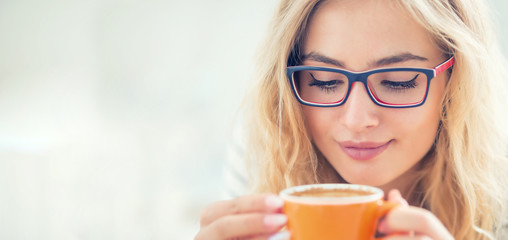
{"x": 403, "y": 57}
{"x": 322, "y": 58}
{"x": 398, "y": 59}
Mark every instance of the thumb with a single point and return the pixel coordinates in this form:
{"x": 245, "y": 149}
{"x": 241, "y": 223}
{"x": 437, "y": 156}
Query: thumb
{"x": 395, "y": 196}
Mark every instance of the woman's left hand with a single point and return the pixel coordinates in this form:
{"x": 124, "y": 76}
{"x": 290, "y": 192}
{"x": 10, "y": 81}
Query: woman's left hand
{"x": 408, "y": 222}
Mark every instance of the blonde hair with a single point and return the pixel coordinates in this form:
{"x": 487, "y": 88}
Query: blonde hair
{"x": 467, "y": 164}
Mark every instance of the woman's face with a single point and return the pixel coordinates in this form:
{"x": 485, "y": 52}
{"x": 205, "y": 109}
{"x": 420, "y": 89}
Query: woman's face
{"x": 364, "y": 142}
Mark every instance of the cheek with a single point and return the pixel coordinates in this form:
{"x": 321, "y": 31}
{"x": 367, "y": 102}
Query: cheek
{"x": 319, "y": 121}
{"x": 418, "y": 126}
{"x": 417, "y": 129}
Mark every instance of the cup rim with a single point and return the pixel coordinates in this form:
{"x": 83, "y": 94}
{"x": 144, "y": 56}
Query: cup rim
{"x": 377, "y": 194}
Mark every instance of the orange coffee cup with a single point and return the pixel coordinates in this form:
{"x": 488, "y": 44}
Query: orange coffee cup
{"x": 334, "y": 211}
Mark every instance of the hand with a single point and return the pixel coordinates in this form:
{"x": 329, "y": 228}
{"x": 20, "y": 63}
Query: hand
{"x": 408, "y": 222}
{"x": 255, "y": 217}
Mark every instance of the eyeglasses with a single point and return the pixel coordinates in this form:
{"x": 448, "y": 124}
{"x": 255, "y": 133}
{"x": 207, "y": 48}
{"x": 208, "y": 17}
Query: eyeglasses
{"x": 387, "y": 87}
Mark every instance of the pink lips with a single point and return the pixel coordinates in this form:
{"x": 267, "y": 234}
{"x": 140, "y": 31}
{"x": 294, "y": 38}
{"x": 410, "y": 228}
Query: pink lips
{"x": 363, "y": 150}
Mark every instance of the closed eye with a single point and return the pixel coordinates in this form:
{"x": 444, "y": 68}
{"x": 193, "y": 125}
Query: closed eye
{"x": 319, "y": 83}
{"x": 398, "y": 84}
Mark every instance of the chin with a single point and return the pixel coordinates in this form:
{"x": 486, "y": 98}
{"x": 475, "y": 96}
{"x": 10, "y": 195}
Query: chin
{"x": 374, "y": 181}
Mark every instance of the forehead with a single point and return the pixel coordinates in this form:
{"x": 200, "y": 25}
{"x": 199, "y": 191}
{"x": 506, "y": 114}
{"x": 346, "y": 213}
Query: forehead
{"x": 359, "y": 31}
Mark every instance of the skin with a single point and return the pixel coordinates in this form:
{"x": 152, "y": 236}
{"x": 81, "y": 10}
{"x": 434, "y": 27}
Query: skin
{"x": 357, "y": 34}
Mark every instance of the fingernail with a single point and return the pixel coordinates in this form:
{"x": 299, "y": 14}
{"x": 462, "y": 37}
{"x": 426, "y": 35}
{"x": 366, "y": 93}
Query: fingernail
{"x": 395, "y": 194}
{"x": 273, "y": 202}
{"x": 275, "y": 219}
{"x": 284, "y": 235}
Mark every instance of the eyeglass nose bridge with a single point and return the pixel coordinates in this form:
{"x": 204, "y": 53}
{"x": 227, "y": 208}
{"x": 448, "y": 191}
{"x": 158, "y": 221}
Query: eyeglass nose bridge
{"x": 362, "y": 78}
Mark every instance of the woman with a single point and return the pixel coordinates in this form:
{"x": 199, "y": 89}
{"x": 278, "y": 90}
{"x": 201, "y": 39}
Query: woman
{"x": 427, "y": 128}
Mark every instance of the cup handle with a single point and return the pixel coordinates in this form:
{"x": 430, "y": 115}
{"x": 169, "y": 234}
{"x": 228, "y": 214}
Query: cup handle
{"x": 383, "y": 209}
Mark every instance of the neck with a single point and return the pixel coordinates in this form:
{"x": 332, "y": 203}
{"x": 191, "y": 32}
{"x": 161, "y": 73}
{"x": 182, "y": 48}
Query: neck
{"x": 407, "y": 185}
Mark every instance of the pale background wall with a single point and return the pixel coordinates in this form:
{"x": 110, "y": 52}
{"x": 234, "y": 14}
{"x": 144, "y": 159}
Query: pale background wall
{"x": 114, "y": 114}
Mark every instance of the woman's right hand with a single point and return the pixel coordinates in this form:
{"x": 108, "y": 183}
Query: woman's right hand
{"x": 252, "y": 217}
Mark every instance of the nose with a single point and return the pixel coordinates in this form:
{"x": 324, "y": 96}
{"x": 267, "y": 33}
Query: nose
{"x": 359, "y": 113}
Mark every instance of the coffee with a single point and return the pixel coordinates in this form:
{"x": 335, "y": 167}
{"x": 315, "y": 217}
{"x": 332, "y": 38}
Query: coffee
{"x": 335, "y": 193}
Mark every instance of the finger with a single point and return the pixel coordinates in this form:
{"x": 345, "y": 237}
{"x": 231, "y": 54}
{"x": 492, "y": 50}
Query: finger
{"x": 282, "y": 235}
{"x": 264, "y": 203}
{"x": 243, "y": 226}
{"x": 419, "y": 220}
{"x": 407, "y": 238}
{"x": 395, "y": 196}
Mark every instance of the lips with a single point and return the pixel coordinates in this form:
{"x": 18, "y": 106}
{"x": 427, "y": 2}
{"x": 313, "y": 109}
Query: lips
{"x": 363, "y": 150}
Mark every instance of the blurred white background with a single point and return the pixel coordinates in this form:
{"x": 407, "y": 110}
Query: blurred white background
{"x": 115, "y": 114}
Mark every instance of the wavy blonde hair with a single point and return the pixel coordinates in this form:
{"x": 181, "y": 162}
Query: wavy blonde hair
{"x": 463, "y": 177}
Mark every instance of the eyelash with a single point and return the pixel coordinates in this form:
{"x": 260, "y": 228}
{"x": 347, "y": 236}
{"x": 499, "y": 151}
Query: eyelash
{"x": 324, "y": 85}
{"x": 399, "y": 86}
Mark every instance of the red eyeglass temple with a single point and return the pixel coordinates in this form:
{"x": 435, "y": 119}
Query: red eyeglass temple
{"x": 445, "y": 65}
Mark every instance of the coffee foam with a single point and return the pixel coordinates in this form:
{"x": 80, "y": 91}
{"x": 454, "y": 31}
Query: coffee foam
{"x": 336, "y": 193}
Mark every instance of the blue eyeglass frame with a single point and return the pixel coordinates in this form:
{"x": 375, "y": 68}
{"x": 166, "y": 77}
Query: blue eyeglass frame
{"x": 362, "y": 77}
